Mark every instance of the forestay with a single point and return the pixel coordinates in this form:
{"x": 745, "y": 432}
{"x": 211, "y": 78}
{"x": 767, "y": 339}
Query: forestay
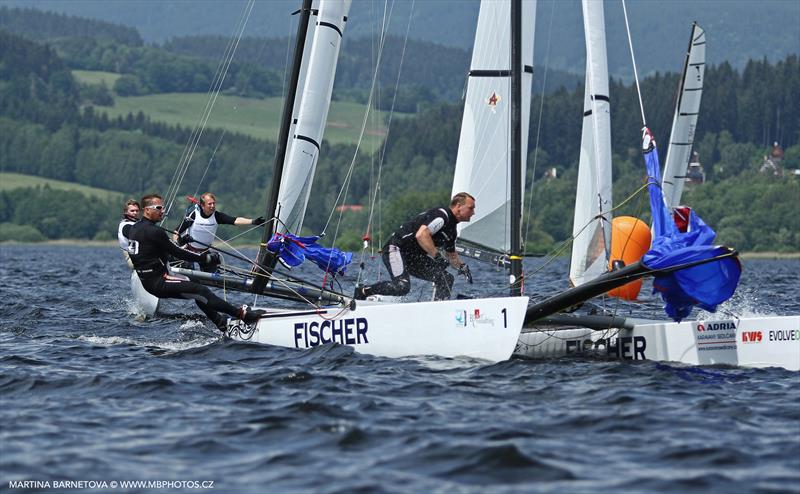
{"x": 483, "y": 164}
{"x": 592, "y": 221}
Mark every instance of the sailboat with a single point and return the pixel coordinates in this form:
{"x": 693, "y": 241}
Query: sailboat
{"x": 742, "y": 341}
{"x": 483, "y": 328}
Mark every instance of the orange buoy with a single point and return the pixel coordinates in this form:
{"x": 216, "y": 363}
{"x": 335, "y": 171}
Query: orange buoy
{"x": 630, "y": 239}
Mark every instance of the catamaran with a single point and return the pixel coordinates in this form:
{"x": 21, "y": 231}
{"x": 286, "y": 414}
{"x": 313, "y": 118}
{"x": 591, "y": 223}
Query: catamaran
{"x": 483, "y": 328}
{"x": 498, "y": 100}
{"x": 742, "y": 341}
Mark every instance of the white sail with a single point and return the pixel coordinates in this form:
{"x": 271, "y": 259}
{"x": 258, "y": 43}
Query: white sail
{"x": 309, "y": 122}
{"x": 592, "y": 222}
{"x": 681, "y": 137}
{"x": 483, "y": 162}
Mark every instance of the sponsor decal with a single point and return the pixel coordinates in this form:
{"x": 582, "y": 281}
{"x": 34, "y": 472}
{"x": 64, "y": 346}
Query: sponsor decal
{"x": 625, "y": 347}
{"x": 492, "y": 101}
{"x": 348, "y": 331}
{"x": 461, "y": 318}
{"x": 752, "y": 336}
{"x": 715, "y": 335}
{"x": 784, "y": 335}
{"x": 716, "y": 326}
{"x": 475, "y": 318}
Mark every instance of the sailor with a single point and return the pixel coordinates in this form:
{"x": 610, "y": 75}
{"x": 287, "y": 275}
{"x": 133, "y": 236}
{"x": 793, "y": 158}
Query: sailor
{"x": 149, "y": 247}
{"x": 413, "y": 249}
{"x": 130, "y": 215}
{"x": 198, "y": 229}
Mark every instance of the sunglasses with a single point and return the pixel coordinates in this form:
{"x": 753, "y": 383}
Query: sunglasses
{"x": 157, "y": 207}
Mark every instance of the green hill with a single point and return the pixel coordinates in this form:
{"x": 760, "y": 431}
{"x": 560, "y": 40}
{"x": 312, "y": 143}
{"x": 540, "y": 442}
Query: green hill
{"x": 11, "y": 181}
{"x": 259, "y": 118}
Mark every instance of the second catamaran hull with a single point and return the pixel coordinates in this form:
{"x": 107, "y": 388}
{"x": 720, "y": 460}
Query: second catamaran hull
{"x": 486, "y": 328}
{"x": 746, "y": 342}
{"x": 146, "y": 303}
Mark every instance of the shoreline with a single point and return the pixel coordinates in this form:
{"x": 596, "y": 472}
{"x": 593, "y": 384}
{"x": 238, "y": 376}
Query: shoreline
{"x": 113, "y": 243}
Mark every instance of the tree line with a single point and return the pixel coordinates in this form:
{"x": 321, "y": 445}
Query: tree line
{"x": 48, "y": 128}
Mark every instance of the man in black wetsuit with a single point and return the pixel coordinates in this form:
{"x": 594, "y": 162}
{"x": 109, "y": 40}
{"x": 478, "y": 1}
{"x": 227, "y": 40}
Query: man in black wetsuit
{"x": 149, "y": 247}
{"x": 413, "y": 249}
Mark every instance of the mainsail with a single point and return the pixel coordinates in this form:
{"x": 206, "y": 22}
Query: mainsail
{"x": 483, "y": 163}
{"x": 687, "y": 107}
{"x": 309, "y": 123}
{"x": 592, "y": 221}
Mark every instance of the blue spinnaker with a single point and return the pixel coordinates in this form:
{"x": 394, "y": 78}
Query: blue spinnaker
{"x": 293, "y": 250}
{"x": 706, "y": 285}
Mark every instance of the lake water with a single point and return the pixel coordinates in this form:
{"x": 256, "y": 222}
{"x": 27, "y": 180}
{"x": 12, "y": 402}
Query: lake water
{"x": 89, "y": 393}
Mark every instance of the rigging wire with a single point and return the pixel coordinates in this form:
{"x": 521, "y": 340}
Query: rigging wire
{"x": 348, "y": 176}
{"x": 633, "y": 61}
{"x": 539, "y": 127}
{"x": 213, "y": 94}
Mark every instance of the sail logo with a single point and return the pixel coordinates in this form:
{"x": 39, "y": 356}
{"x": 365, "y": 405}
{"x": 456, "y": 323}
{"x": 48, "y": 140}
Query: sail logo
{"x": 461, "y": 318}
{"x": 476, "y": 318}
{"x": 752, "y": 336}
{"x": 492, "y": 101}
{"x": 716, "y": 326}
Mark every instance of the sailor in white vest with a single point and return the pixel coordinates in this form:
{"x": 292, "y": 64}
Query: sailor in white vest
{"x": 199, "y": 226}
{"x": 130, "y": 215}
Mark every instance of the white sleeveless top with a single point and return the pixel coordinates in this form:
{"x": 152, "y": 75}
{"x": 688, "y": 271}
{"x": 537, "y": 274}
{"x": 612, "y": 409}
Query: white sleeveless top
{"x": 202, "y": 229}
{"x": 123, "y": 240}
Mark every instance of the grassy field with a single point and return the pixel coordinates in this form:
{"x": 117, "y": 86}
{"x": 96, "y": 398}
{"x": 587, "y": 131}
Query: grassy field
{"x": 95, "y": 77}
{"x": 9, "y": 181}
{"x": 259, "y": 118}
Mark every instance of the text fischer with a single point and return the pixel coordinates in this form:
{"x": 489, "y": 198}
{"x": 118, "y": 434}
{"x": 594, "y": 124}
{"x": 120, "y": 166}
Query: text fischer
{"x": 351, "y": 331}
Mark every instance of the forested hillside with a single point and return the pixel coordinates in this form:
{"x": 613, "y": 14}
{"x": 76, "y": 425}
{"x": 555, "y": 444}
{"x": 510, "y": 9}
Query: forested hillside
{"x": 50, "y": 128}
{"x": 738, "y": 30}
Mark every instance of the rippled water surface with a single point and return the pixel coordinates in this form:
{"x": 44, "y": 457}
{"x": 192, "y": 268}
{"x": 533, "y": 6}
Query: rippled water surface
{"x": 88, "y": 392}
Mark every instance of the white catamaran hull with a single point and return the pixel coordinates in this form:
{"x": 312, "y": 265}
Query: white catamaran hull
{"x": 487, "y": 328}
{"x": 746, "y": 342}
{"x": 146, "y": 303}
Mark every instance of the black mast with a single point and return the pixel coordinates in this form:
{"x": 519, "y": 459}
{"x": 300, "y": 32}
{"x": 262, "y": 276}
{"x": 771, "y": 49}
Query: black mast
{"x": 516, "y": 287}
{"x": 266, "y": 260}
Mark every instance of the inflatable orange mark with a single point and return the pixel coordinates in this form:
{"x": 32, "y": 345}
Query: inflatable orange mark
{"x": 630, "y": 239}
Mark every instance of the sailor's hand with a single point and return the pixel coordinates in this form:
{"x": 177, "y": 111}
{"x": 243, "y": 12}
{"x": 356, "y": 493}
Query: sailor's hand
{"x": 258, "y": 221}
{"x": 440, "y": 262}
{"x": 212, "y": 258}
{"x": 464, "y": 271}
{"x": 184, "y": 239}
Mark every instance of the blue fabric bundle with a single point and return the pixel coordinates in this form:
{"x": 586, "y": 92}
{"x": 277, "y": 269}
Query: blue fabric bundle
{"x": 293, "y": 251}
{"x": 706, "y": 285}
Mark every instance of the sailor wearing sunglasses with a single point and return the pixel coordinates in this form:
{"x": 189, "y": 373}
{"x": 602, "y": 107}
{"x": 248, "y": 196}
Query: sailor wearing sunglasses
{"x": 149, "y": 248}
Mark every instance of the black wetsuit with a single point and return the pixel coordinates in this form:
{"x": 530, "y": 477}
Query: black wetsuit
{"x": 149, "y": 248}
{"x": 403, "y": 255}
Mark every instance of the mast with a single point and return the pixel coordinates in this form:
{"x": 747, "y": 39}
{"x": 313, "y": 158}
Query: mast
{"x": 265, "y": 259}
{"x": 516, "y": 278}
